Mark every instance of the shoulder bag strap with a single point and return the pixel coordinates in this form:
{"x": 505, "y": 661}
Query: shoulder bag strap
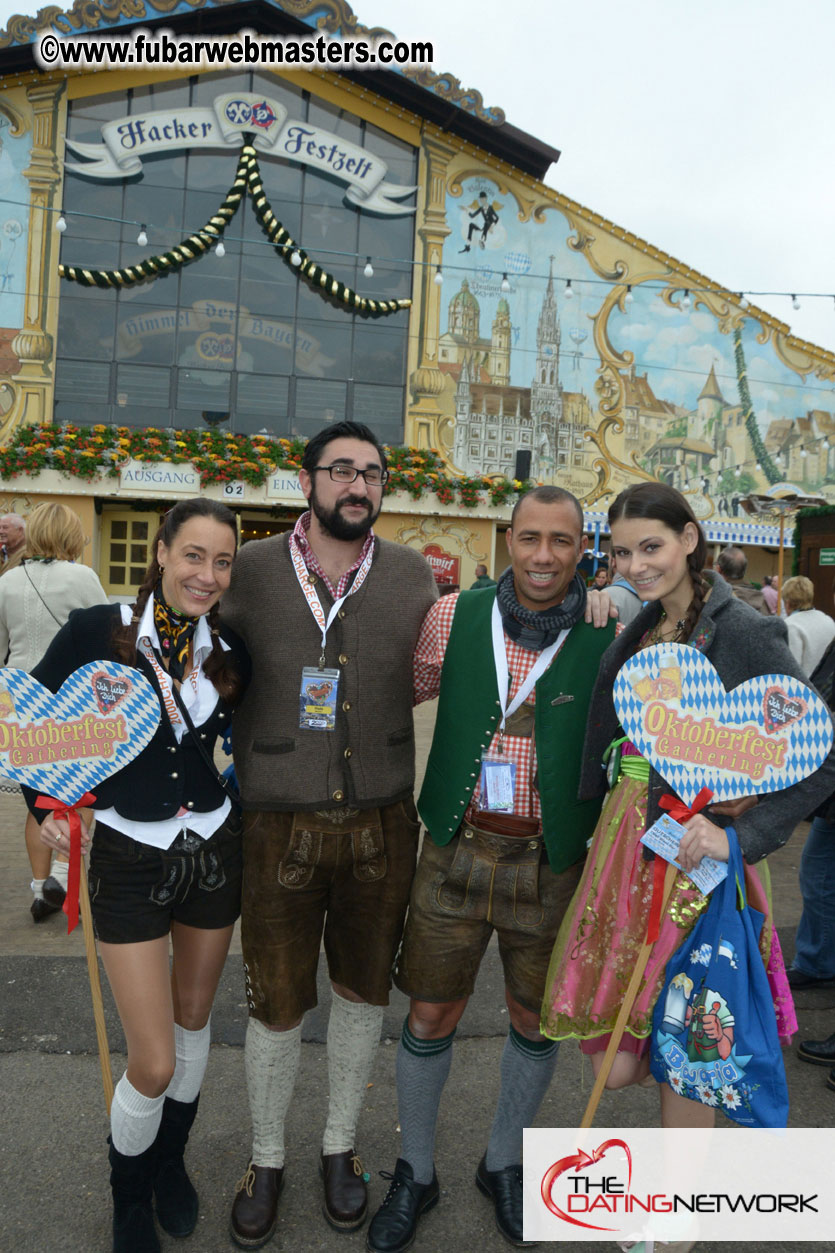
{"x": 232, "y": 793}
{"x": 40, "y": 598}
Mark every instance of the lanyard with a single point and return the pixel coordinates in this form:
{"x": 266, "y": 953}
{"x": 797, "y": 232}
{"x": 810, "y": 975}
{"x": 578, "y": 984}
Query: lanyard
{"x": 165, "y": 683}
{"x": 539, "y": 667}
{"x": 312, "y": 597}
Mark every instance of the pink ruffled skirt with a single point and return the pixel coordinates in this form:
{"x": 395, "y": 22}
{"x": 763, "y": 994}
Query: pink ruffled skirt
{"x": 605, "y": 927}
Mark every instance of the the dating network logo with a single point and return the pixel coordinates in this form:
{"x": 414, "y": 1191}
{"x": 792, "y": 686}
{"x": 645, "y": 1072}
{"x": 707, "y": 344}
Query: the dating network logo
{"x": 582, "y": 1192}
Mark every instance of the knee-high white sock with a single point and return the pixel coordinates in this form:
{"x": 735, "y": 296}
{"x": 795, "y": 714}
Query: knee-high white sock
{"x": 353, "y": 1036}
{"x": 60, "y": 870}
{"x": 192, "y": 1050}
{"x": 272, "y": 1063}
{"x": 134, "y": 1119}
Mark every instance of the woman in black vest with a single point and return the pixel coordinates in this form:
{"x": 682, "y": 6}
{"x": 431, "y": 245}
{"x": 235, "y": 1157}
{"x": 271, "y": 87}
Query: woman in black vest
{"x": 166, "y": 858}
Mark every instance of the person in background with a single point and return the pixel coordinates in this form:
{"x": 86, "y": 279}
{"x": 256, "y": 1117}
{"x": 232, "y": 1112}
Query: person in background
{"x": 600, "y": 580}
{"x": 624, "y": 597}
{"x": 482, "y": 578}
{"x": 814, "y": 951}
{"x": 12, "y": 539}
{"x": 36, "y": 598}
{"x": 732, "y": 564}
{"x": 810, "y": 630}
{"x": 771, "y": 592}
{"x": 165, "y": 866}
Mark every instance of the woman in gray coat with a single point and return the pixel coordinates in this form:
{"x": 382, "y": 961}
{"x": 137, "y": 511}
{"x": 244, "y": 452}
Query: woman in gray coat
{"x": 660, "y": 548}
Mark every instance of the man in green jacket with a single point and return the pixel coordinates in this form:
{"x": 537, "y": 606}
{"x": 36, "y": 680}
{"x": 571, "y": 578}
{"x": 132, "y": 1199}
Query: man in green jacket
{"x": 514, "y": 667}
{"x": 482, "y": 578}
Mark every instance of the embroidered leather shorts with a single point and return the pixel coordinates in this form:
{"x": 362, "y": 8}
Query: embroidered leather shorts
{"x": 342, "y": 873}
{"x": 479, "y": 883}
{"x": 137, "y": 891}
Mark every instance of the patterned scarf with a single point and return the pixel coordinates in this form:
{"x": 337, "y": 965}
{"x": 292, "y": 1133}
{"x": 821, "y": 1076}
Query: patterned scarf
{"x": 536, "y": 629}
{"x": 175, "y": 633}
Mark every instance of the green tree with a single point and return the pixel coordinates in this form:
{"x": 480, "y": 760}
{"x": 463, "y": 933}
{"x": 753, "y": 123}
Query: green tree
{"x": 731, "y": 485}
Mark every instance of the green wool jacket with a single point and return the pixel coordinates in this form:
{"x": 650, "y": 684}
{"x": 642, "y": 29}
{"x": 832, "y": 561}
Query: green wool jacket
{"x": 468, "y": 716}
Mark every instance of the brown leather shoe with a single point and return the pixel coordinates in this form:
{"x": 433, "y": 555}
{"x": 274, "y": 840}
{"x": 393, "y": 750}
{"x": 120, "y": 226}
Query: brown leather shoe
{"x": 255, "y": 1208}
{"x": 346, "y": 1198}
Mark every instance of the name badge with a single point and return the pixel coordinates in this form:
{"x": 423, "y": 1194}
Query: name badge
{"x": 498, "y": 781}
{"x": 317, "y": 699}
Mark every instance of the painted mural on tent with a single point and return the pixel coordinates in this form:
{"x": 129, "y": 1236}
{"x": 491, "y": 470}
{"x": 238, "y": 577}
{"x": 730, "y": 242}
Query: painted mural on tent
{"x": 545, "y": 349}
{"x": 15, "y": 152}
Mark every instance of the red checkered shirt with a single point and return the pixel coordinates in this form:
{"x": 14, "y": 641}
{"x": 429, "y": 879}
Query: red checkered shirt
{"x": 300, "y": 531}
{"x": 429, "y": 658}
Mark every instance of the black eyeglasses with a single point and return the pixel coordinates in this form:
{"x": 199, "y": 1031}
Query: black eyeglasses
{"x": 349, "y": 474}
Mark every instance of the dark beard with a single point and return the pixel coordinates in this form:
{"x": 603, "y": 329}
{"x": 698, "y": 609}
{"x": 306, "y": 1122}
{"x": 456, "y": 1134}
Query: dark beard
{"x": 334, "y": 524}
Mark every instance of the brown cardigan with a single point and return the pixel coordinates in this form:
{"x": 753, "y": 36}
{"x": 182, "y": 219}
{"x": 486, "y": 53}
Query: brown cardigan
{"x": 369, "y": 758}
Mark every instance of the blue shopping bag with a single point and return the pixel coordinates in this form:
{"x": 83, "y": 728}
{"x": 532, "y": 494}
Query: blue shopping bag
{"x": 714, "y": 1030}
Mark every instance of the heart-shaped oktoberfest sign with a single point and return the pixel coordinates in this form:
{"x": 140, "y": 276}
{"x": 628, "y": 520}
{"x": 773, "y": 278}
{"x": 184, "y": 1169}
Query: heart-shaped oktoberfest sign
{"x": 62, "y": 745}
{"x": 763, "y": 736}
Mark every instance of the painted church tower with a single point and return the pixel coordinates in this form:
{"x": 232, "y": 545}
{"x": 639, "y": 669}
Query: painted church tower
{"x": 546, "y": 392}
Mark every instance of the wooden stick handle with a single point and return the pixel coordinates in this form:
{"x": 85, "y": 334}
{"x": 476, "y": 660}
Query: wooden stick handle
{"x": 626, "y": 1008}
{"x": 95, "y": 987}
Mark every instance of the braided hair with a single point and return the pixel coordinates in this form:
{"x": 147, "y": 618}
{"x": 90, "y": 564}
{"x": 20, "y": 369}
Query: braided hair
{"x": 220, "y": 666}
{"x": 664, "y": 504}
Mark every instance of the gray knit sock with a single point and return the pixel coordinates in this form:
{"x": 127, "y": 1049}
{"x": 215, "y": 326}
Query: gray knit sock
{"x": 422, "y": 1068}
{"x": 526, "y": 1071}
{"x": 272, "y": 1062}
{"x": 353, "y": 1036}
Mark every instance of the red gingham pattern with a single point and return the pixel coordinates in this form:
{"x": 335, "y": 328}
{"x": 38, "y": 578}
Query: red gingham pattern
{"x": 300, "y": 531}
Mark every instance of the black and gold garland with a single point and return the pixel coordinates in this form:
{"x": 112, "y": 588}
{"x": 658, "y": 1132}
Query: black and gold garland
{"x": 247, "y": 178}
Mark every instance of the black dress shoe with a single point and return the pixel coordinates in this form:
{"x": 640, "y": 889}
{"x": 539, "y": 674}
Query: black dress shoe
{"x": 346, "y": 1197}
{"x": 255, "y": 1208}
{"x": 818, "y": 1052}
{"x": 40, "y": 909}
{"x": 394, "y": 1226}
{"x": 798, "y": 980}
{"x": 54, "y": 892}
{"x": 504, "y": 1187}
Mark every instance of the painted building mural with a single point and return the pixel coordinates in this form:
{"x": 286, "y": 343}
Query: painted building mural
{"x": 571, "y": 345}
{"x": 553, "y": 333}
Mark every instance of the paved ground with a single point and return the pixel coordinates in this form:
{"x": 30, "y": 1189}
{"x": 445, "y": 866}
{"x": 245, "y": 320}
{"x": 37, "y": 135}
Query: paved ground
{"x": 54, "y": 1194}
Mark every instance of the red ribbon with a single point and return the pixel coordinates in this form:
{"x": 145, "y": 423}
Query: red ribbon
{"x": 60, "y": 809}
{"x": 680, "y": 812}
{"x": 677, "y": 808}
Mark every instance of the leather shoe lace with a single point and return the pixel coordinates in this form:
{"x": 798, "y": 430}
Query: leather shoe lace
{"x": 504, "y": 1187}
{"x": 393, "y": 1227}
{"x": 255, "y": 1208}
{"x": 346, "y": 1198}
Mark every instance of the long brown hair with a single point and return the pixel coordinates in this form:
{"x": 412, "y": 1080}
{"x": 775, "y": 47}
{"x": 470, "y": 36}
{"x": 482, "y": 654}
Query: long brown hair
{"x": 663, "y": 503}
{"x": 220, "y": 665}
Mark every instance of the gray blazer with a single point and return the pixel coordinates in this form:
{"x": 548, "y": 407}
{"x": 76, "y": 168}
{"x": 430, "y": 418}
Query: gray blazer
{"x": 740, "y": 643}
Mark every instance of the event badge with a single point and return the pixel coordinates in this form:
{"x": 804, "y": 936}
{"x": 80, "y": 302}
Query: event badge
{"x": 317, "y": 699}
{"x": 497, "y": 784}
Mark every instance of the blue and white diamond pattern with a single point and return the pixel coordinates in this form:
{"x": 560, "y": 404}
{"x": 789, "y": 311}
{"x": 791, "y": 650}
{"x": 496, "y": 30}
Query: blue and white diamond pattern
{"x": 703, "y": 696}
{"x": 34, "y": 704}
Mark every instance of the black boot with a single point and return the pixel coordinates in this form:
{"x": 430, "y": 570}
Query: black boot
{"x": 174, "y": 1192}
{"x": 132, "y": 1179}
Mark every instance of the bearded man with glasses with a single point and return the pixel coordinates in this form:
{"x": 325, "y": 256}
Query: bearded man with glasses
{"x": 325, "y": 756}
